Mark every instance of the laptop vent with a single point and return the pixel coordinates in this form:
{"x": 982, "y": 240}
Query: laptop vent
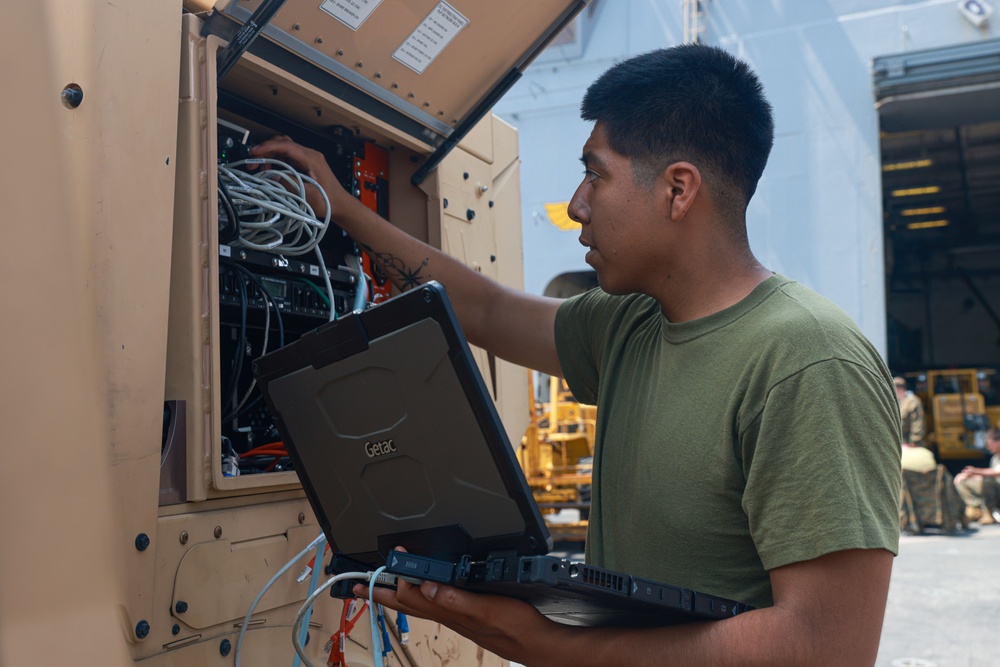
{"x": 602, "y": 579}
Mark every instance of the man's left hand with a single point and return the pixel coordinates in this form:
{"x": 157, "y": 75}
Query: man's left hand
{"x": 511, "y": 628}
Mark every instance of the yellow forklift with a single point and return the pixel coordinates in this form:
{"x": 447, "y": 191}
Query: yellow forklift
{"x": 556, "y": 455}
{"x": 960, "y": 405}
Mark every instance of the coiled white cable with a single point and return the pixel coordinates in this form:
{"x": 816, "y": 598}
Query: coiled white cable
{"x": 273, "y": 214}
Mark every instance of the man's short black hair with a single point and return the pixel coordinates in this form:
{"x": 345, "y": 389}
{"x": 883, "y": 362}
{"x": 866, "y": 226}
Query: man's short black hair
{"x": 694, "y": 103}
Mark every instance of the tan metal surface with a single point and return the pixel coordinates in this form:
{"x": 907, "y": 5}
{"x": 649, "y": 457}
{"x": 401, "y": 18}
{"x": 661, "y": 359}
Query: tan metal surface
{"x": 496, "y": 37}
{"x": 480, "y": 225}
{"x": 84, "y": 318}
{"x": 109, "y": 311}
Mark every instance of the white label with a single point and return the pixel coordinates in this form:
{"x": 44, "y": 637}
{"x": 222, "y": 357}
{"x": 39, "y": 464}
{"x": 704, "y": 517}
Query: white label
{"x": 351, "y": 13}
{"x": 313, "y": 270}
{"x": 428, "y": 39}
{"x": 225, "y": 251}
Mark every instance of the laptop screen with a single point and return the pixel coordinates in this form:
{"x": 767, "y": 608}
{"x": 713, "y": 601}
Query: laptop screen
{"x": 396, "y": 439}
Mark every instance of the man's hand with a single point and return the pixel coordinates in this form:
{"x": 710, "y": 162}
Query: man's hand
{"x": 968, "y": 472}
{"x": 507, "y": 627}
{"x": 311, "y": 163}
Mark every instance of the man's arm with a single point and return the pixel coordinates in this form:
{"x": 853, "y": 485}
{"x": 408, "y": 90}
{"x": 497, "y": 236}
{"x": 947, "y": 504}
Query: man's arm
{"x": 515, "y": 326}
{"x": 827, "y": 611}
{"x": 970, "y": 471}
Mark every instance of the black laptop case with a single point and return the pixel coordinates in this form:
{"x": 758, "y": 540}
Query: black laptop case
{"x": 395, "y": 438}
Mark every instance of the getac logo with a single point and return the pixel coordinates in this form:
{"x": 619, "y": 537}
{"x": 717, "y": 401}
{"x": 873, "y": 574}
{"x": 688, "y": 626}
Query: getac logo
{"x": 373, "y": 449}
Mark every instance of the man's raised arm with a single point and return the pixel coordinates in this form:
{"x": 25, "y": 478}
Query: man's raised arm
{"x": 515, "y": 326}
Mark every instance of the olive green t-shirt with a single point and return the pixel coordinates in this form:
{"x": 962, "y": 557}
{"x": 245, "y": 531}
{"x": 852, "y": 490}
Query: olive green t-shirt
{"x": 762, "y": 435}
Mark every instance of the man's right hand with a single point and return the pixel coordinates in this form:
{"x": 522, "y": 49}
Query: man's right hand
{"x": 311, "y": 163}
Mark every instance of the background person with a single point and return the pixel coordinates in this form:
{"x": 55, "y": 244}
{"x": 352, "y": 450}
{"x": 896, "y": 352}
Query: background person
{"x": 911, "y": 413}
{"x": 712, "y": 377}
{"x": 980, "y": 487}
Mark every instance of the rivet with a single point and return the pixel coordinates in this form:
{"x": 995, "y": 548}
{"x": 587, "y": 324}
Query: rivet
{"x": 319, "y": 40}
{"x": 296, "y": 27}
{"x": 340, "y": 52}
{"x": 395, "y": 85}
{"x": 184, "y": 537}
{"x": 175, "y": 630}
{"x": 427, "y": 104}
{"x": 410, "y": 95}
{"x": 470, "y": 215}
{"x": 302, "y": 517}
{"x": 465, "y": 175}
{"x": 181, "y": 607}
{"x": 142, "y": 629}
{"x": 359, "y": 64}
{"x": 378, "y": 75}
{"x": 142, "y": 541}
{"x": 225, "y": 647}
{"x": 218, "y": 532}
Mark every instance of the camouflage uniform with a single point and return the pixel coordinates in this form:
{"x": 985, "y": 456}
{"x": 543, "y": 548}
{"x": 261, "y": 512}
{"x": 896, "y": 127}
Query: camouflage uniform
{"x": 911, "y": 414}
{"x": 981, "y": 492}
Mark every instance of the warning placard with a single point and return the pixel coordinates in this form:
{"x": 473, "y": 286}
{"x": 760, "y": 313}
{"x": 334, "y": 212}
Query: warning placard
{"x": 351, "y": 13}
{"x": 428, "y": 39}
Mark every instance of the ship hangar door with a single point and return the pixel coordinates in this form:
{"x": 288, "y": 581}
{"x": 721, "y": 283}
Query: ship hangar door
{"x": 940, "y": 140}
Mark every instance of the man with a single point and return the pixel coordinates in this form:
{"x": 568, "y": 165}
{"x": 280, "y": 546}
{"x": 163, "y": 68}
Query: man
{"x": 980, "y": 487}
{"x": 747, "y": 442}
{"x": 911, "y": 413}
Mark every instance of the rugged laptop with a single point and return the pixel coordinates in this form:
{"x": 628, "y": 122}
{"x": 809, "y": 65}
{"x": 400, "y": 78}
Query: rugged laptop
{"x": 398, "y": 444}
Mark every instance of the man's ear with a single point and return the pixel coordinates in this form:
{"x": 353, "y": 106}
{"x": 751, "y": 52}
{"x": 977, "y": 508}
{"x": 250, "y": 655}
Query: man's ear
{"x": 681, "y": 183}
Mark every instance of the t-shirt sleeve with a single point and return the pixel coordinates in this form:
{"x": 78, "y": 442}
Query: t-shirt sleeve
{"x": 822, "y": 465}
{"x": 579, "y": 343}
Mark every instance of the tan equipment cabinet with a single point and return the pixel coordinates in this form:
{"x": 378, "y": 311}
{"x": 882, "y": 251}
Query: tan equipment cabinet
{"x": 126, "y": 535}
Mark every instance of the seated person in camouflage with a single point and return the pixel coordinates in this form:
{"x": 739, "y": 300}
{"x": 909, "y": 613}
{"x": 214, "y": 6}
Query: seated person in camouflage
{"x": 980, "y": 487}
{"x": 911, "y": 413}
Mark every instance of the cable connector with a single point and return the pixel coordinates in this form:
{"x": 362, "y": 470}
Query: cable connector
{"x": 384, "y": 578}
{"x": 403, "y": 625}
{"x": 230, "y": 460}
{"x": 309, "y": 568}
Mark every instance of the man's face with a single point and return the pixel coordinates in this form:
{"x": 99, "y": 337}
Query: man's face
{"x": 993, "y": 446}
{"x": 619, "y": 218}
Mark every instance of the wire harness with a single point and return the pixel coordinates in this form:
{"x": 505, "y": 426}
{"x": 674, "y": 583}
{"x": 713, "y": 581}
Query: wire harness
{"x": 267, "y": 210}
{"x": 378, "y": 649}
